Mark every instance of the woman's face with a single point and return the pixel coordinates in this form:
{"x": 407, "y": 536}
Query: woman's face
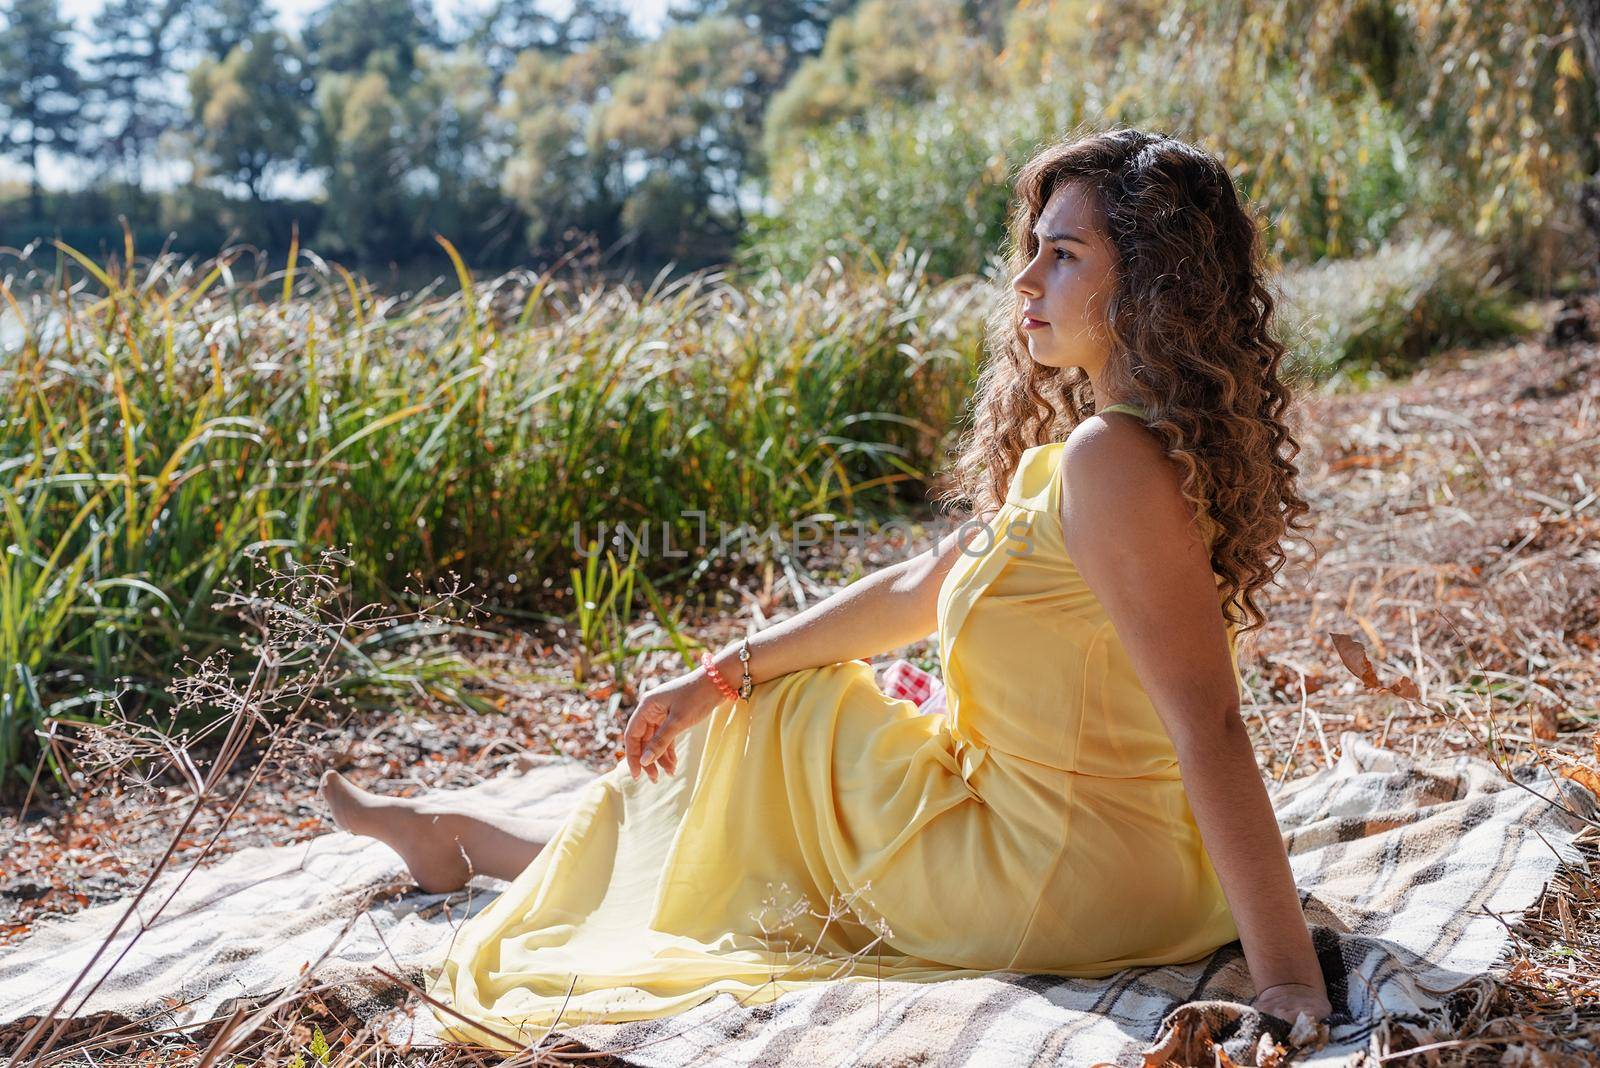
{"x": 1065, "y": 287}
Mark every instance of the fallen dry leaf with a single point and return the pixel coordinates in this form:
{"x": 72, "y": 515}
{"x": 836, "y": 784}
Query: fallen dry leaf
{"x": 1308, "y": 1032}
{"x": 1569, "y": 767}
{"x": 1583, "y": 776}
{"x": 1542, "y": 721}
{"x": 1404, "y": 687}
{"x": 1269, "y": 1054}
{"x": 1354, "y": 655}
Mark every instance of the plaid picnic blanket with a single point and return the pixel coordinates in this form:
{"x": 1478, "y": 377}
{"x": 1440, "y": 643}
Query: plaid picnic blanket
{"x": 905, "y": 680}
{"x": 1408, "y": 874}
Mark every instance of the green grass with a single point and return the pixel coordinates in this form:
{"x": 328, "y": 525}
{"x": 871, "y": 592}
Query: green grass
{"x": 165, "y": 419}
{"x": 1368, "y": 319}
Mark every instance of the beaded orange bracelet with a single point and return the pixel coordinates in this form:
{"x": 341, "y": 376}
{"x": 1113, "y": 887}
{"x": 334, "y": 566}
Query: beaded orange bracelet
{"x": 716, "y": 676}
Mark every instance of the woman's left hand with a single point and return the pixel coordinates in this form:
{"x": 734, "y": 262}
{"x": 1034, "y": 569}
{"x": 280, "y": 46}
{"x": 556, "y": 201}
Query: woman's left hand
{"x": 1289, "y": 1001}
{"x": 663, "y": 713}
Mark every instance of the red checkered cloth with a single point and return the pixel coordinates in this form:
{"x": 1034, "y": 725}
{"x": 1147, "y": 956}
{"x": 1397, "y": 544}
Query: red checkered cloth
{"x": 904, "y": 680}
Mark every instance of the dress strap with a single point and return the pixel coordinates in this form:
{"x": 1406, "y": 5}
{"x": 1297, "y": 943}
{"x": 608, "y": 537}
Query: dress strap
{"x": 1131, "y": 409}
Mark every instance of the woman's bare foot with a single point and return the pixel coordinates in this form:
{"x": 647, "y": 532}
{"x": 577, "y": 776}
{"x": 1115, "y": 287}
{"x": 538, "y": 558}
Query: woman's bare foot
{"x": 434, "y": 856}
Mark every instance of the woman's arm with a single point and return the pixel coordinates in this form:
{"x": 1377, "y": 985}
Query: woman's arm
{"x": 887, "y": 609}
{"x": 1132, "y": 536}
{"x": 879, "y": 612}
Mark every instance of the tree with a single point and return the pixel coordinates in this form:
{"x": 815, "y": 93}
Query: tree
{"x": 364, "y": 146}
{"x": 223, "y": 25}
{"x": 1585, "y": 15}
{"x": 593, "y": 23}
{"x": 561, "y": 173}
{"x": 690, "y": 105}
{"x": 1493, "y": 91}
{"x": 795, "y": 31}
{"x": 885, "y": 52}
{"x": 38, "y": 88}
{"x": 250, "y": 110}
{"x": 461, "y": 144}
{"x": 797, "y": 28}
{"x": 511, "y": 27}
{"x": 137, "y": 40}
{"x": 346, "y": 35}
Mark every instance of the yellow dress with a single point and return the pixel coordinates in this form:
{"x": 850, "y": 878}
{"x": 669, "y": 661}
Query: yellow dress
{"x": 824, "y": 832}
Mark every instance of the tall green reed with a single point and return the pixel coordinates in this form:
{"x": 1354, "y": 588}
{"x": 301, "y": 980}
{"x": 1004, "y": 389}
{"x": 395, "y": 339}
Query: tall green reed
{"x": 166, "y": 417}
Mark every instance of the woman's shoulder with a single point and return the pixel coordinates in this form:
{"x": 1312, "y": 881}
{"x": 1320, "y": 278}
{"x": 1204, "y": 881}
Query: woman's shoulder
{"x": 1123, "y": 468}
{"x": 1111, "y": 448}
{"x": 1039, "y": 479}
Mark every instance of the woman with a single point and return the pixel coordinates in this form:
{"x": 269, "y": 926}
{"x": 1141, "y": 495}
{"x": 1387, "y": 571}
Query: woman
{"x": 1089, "y": 801}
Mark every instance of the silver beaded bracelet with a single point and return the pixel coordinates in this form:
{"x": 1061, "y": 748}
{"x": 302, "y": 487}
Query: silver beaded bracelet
{"x": 746, "y": 685}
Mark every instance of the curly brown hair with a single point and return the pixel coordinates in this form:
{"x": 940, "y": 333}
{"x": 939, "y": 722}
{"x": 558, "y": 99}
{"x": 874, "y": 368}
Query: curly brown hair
{"x": 1190, "y": 320}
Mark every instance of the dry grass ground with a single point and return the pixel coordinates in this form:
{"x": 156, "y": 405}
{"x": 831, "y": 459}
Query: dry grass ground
{"x": 1458, "y": 541}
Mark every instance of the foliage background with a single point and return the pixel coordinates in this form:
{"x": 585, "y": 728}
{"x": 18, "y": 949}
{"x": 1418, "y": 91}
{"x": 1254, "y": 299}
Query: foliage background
{"x": 434, "y": 296}
{"x": 777, "y": 133}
